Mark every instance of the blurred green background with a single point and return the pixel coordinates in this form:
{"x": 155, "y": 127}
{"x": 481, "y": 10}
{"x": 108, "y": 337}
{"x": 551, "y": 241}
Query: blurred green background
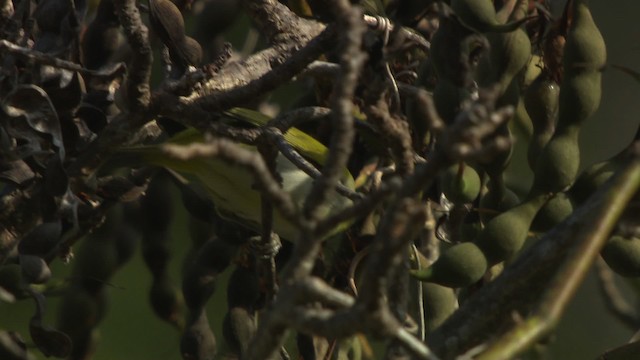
{"x": 131, "y": 331}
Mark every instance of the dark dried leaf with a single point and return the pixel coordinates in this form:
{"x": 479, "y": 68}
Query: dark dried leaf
{"x": 20, "y": 141}
{"x": 65, "y": 89}
{"x": 31, "y": 103}
{"x": 16, "y": 171}
{"x": 92, "y": 117}
{"x": 70, "y": 132}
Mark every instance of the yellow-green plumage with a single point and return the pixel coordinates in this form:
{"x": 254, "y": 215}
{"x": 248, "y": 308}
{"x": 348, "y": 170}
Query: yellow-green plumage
{"x": 231, "y": 187}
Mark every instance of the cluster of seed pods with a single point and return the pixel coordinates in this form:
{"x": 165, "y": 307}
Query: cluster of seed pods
{"x": 557, "y": 112}
{"x": 155, "y": 217}
{"x": 85, "y": 301}
{"x": 215, "y": 248}
{"x": 622, "y": 252}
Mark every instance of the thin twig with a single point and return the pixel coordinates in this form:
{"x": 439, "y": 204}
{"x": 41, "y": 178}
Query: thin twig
{"x": 301, "y": 163}
{"x": 384, "y": 24}
{"x": 352, "y": 58}
{"x": 276, "y": 21}
{"x": 613, "y": 298}
{"x": 269, "y": 241}
{"x": 47, "y": 59}
{"x": 361, "y": 207}
{"x": 294, "y": 117}
{"x": 351, "y": 61}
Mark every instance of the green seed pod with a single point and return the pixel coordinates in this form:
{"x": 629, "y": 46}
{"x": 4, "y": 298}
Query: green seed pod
{"x": 497, "y": 200}
{"x": 623, "y": 255}
{"x": 541, "y": 101}
{"x": 461, "y": 265}
{"x": 585, "y": 48}
{"x": 238, "y": 328}
{"x": 558, "y": 164}
{"x": 504, "y": 235}
{"x": 439, "y": 303}
{"x": 579, "y": 97}
{"x": 584, "y": 56}
{"x": 558, "y": 208}
{"x": 480, "y": 15}
{"x": 508, "y": 55}
{"x": 592, "y": 179}
{"x": 460, "y": 183}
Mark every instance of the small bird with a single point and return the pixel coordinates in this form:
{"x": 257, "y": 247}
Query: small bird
{"x": 231, "y": 187}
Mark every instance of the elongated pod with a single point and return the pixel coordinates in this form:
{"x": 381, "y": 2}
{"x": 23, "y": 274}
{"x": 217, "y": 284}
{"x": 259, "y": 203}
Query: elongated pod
{"x": 584, "y": 57}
